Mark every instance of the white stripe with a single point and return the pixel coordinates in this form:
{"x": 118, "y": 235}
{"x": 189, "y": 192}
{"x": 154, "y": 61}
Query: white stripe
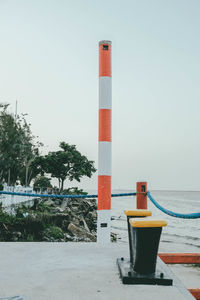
{"x": 103, "y": 226}
{"x": 105, "y": 92}
{"x": 105, "y": 158}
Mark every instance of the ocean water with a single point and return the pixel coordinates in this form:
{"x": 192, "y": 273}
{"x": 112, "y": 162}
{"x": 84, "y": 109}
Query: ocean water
{"x": 180, "y": 235}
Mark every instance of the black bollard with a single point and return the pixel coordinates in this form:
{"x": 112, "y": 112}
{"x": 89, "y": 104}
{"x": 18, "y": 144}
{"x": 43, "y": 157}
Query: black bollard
{"x": 144, "y": 242}
{"x": 138, "y": 213}
{"x": 145, "y": 249}
{"x": 145, "y": 235}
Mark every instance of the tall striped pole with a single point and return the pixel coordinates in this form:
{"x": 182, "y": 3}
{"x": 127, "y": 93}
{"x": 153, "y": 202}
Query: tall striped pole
{"x": 104, "y": 168}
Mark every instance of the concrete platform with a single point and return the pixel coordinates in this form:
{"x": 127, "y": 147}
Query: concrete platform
{"x": 60, "y": 271}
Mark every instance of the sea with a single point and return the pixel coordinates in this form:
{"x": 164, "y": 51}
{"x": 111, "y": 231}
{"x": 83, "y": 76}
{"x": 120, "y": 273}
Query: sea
{"x": 180, "y": 235}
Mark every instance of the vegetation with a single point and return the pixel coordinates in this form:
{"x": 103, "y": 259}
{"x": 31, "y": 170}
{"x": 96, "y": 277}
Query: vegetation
{"x": 73, "y": 191}
{"x": 42, "y": 182}
{"x": 20, "y": 160}
{"x": 54, "y": 233}
{"x": 18, "y": 148}
{"x": 49, "y": 220}
{"x": 67, "y": 163}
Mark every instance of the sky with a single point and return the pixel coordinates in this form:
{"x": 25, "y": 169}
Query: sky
{"x": 49, "y": 65}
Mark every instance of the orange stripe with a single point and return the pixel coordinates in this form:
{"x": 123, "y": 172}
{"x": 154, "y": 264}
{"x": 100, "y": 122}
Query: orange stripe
{"x": 104, "y": 192}
{"x": 105, "y": 61}
{"x": 105, "y": 125}
{"x": 195, "y": 293}
{"x": 180, "y": 258}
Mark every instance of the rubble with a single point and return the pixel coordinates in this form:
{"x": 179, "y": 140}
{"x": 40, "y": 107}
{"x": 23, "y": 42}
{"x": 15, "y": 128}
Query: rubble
{"x": 51, "y": 220}
{"x": 81, "y": 233}
{"x": 60, "y": 220}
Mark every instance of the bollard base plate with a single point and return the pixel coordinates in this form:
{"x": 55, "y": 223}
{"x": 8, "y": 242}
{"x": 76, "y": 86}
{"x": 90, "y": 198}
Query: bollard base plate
{"x": 129, "y": 276}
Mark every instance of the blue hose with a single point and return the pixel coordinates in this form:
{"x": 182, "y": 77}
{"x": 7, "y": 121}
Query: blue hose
{"x": 171, "y": 213}
{"x": 62, "y": 196}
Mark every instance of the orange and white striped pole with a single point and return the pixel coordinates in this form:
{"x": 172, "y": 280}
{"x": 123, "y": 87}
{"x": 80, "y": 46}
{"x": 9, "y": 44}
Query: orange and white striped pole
{"x": 104, "y": 168}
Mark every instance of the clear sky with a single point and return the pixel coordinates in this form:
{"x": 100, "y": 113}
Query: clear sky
{"x": 49, "y": 64}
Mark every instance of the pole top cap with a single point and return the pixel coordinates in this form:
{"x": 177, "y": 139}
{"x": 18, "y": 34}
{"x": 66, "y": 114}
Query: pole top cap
{"x": 105, "y": 42}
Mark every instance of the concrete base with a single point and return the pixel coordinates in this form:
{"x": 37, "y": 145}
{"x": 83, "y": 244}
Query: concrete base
{"x": 129, "y": 276}
{"x": 60, "y": 271}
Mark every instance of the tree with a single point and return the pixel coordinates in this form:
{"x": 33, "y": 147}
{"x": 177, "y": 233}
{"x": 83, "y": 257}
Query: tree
{"x": 29, "y": 153}
{"x": 31, "y": 169}
{"x": 67, "y": 163}
{"x": 42, "y": 182}
{"x": 17, "y": 147}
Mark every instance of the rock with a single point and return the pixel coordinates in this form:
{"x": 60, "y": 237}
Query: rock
{"x": 75, "y": 221}
{"x": 35, "y": 204}
{"x": 17, "y": 234}
{"x": 80, "y": 232}
{"x": 49, "y": 202}
{"x": 69, "y": 237}
{"x": 113, "y": 237}
{"x": 57, "y": 202}
{"x": 52, "y": 220}
{"x": 84, "y": 224}
{"x": 91, "y": 220}
{"x": 75, "y": 209}
{"x": 67, "y": 210}
{"x": 65, "y": 223}
{"x": 64, "y": 204}
{"x": 92, "y": 214}
{"x": 25, "y": 215}
{"x": 58, "y": 209}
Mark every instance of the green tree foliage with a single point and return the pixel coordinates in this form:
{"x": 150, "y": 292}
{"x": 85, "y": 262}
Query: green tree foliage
{"x": 18, "y": 148}
{"x": 20, "y": 159}
{"x": 42, "y": 182}
{"x": 31, "y": 169}
{"x": 67, "y": 163}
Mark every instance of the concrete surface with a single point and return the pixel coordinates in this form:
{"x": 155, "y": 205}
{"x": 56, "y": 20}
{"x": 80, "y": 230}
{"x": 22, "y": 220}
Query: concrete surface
{"x": 60, "y": 271}
{"x": 190, "y": 276}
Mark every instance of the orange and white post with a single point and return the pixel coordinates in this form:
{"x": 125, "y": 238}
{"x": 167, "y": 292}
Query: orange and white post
{"x": 104, "y": 167}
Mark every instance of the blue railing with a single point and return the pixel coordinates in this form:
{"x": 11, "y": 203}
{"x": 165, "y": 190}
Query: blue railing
{"x": 62, "y": 196}
{"x": 171, "y": 213}
{"x": 166, "y": 211}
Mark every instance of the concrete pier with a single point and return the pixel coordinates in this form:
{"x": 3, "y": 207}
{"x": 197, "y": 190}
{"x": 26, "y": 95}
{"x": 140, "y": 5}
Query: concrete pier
{"x": 60, "y": 271}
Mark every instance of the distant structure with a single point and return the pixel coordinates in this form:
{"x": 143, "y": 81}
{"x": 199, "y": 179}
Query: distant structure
{"x": 10, "y": 200}
{"x": 104, "y": 166}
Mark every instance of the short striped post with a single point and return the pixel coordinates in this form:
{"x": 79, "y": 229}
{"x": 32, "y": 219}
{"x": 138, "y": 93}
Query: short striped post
{"x": 104, "y": 168}
{"x": 141, "y": 189}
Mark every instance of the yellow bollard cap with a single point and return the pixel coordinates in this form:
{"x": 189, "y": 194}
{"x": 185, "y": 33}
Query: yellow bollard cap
{"x": 146, "y": 222}
{"x": 138, "y": 213}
